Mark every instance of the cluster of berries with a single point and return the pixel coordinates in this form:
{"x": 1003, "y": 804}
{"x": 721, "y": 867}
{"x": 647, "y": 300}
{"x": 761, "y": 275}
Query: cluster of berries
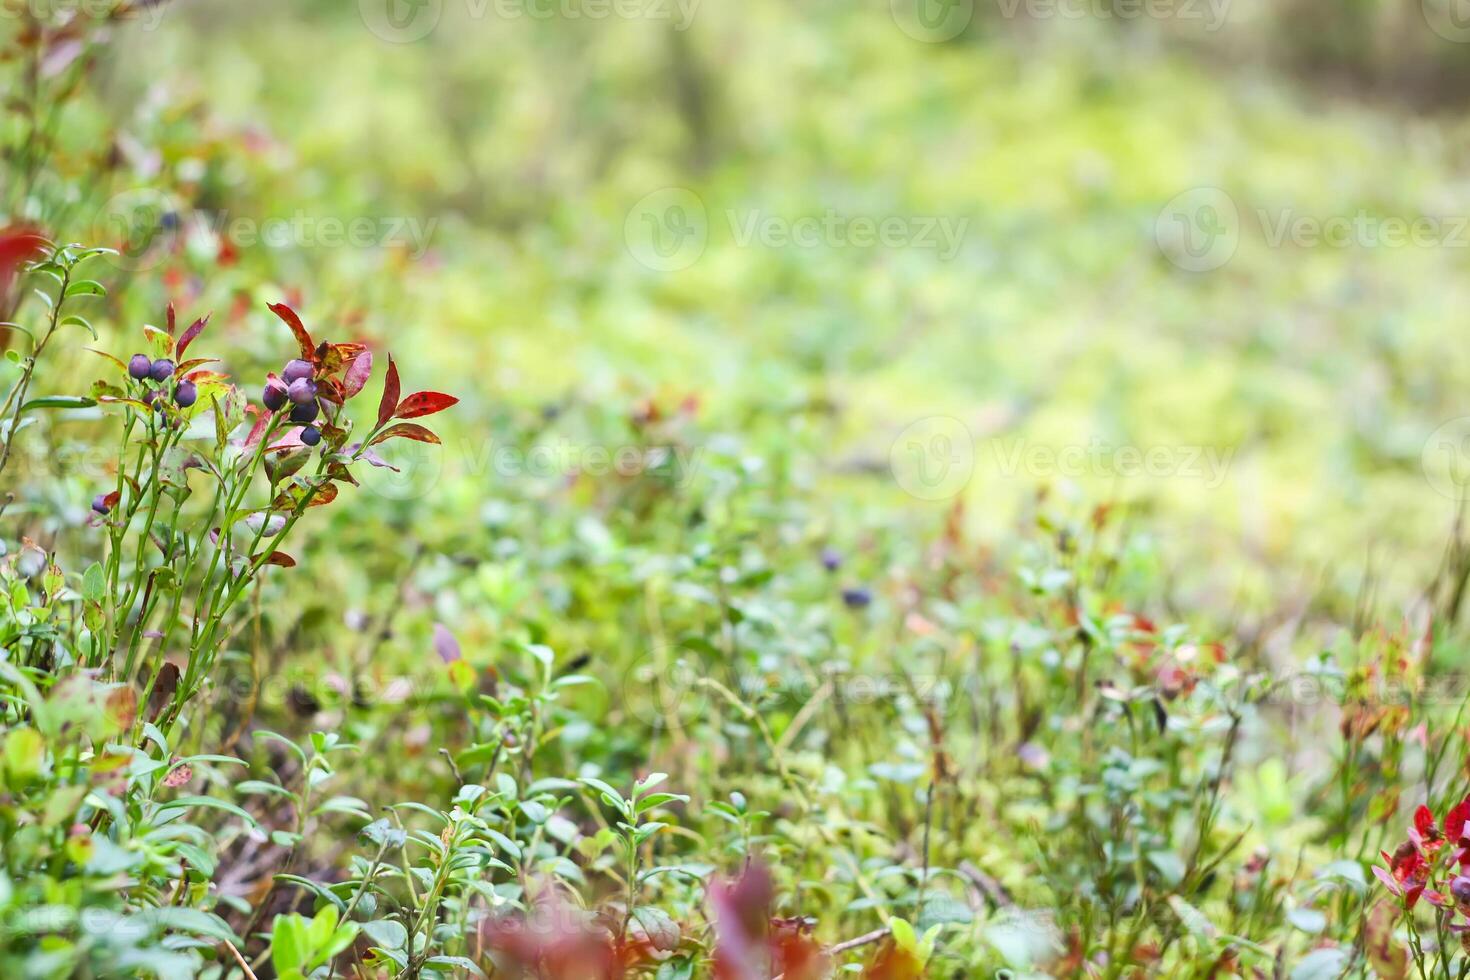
{"x": 142, "y": 368}
{"x": 296, "y": 386}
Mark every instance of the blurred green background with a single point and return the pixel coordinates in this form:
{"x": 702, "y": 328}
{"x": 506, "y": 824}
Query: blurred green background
{"x": 515, "y": 157}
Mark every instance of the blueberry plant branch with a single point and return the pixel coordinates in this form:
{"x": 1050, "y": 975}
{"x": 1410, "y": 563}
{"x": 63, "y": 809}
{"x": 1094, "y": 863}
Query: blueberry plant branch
{"x": 175, "y": 569}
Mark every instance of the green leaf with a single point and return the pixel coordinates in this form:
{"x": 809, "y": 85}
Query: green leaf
{"x": 208, "y": 802}
{"x": 94, "y": 583}
{"x": 59, "y": 401}
{"x": 86, "y": 287}
{"x": 386, "y": 933}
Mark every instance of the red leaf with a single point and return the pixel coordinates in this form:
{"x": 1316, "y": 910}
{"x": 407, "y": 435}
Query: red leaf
{"x": 258, "y": 429}
{"x": 391, "y": 390}
{"x": 195, "y": 329}
{"x": 424, "y": 403}
{"x": 357, "y": 374}
{"x": 18, "y": 245}
{"x": 280, "y": 558}
{"x": 303, "y": 339}
{"x": 172, "y": 323}
{"x": 406, "y": 430}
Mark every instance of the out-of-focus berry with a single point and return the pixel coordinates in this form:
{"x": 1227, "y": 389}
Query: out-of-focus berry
{"x": 301, "y": 391}
{"x": 99, "y": 504}
{"x": 831, "y": 559}
{"x": 857, "y": 598}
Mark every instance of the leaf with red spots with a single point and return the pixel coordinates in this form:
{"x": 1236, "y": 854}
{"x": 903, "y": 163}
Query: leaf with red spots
{"x": 424, "y": 403}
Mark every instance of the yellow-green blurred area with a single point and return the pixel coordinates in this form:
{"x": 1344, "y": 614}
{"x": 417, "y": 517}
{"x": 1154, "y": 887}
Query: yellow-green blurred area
{"x": 652, "y": 200}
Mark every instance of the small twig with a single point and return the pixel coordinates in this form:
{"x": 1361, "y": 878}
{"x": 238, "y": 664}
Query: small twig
{"x": 249, "y": 973}
{"x": 863, "y": 940}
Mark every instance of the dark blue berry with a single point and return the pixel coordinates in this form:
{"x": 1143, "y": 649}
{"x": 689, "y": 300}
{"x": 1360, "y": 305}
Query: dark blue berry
{"x": 186, "y": 394}
{"x": 274, "y": 395}
{"x": 140, "y": 367}
{"x": 857, "y": 598}
{"x": 304, "y": 413}
{"x": 296, "y": 370}
{"x": 311, "y": 435}
{"x": 162, "y": 369}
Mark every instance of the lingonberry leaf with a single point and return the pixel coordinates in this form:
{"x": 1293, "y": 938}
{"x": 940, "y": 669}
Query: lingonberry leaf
{"x": 303, "y": 339}
{"x": 195, "y": 329}
{"x": 424, "y": 403}
{"x": 391, "y": 391}
{"x": 406, "y": 430}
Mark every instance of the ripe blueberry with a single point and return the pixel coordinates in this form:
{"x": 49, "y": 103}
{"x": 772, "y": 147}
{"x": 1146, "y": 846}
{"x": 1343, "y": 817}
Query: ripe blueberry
{"x": 99, "y": 503}
{"x": 304, "y": 413}
{"x": 139, "y": 367}
{"x": 857, "y": 598}
{"x": 301, "y": 391}
{"x": 162, "y": 369}
{"x": 186, "y": 394}
{"x": 1460, "y": 889}
{"x": 311, "y": 435}
{"x": 831, "y": 559}
{"x": 296, "y": 370}
{"x": 274, "y": 395}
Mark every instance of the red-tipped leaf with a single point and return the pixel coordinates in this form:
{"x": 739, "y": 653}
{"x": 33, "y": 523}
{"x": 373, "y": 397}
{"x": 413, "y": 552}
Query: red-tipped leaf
{"x": 357, "y": 374}
{"x": 303, "y": 339}
{"x": 406, "y": 430}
